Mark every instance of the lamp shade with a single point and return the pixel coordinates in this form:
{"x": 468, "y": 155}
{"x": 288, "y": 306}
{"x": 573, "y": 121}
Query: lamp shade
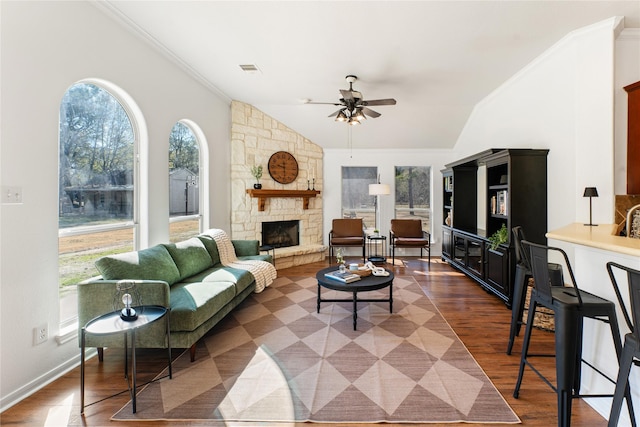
{"x": 379, "y": 189}
{"x": 590, "y": 192}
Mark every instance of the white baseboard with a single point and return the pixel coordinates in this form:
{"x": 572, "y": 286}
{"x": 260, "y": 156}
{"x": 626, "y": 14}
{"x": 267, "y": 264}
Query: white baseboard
{"x": 43, "y": 380}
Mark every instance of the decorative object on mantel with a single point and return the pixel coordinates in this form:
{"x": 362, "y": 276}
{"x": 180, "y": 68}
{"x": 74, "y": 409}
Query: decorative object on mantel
{"x": 283, "y": 167}
{"x": 263, "y": 195}
{"x": 590, "y": 192}
{"x": 256, "y": 171}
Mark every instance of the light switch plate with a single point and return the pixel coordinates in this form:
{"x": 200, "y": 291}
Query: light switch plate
{"x": 11, "y": 194}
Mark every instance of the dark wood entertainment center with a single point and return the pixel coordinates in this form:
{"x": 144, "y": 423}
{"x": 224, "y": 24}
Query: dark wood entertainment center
{"x": 480, "y": 194}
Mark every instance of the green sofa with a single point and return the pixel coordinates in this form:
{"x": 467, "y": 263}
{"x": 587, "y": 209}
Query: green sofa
{"x": 186, "y": 276}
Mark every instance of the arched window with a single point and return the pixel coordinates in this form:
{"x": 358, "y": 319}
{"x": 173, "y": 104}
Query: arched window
{"x": 186, "y": 181}
{"x": 97, "y": 186}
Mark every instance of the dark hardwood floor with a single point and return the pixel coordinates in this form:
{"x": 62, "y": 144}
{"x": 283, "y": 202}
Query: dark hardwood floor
{"x": 480, "y": 319}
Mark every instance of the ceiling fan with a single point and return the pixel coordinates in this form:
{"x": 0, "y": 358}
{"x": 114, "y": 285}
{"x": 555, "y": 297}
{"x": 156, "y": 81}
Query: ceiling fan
{"x": 354, "y": 109}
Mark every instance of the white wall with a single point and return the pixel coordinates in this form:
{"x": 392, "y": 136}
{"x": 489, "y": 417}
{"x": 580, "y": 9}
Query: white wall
{"x": 562, "y": 101}
{"x": 46, "y": 47}
{"x": 385, "y": 161}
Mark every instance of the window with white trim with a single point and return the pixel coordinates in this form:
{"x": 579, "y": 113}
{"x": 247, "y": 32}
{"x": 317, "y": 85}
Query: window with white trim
{"x": 413, "y": 194}
{"x": 184, "y": 183}
{"x": 356, "y": 201}
{"x": 96, "y": 188}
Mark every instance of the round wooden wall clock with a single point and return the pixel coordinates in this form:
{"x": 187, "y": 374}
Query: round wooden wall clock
{"x": 283, "y": 167}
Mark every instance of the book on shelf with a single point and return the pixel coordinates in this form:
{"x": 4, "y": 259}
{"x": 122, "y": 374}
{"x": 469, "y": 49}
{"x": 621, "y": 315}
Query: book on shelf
{"x": 503, "y": 202}
{"x": 448, "y": 183}
{"x": 345, "y": 277}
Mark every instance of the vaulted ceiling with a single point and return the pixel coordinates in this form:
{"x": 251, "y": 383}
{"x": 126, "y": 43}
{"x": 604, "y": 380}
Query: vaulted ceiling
{"x": 436, "y": 58}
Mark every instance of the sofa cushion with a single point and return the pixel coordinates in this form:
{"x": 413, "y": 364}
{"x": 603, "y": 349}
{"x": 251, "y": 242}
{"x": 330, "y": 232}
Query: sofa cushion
{"x": 246, "y": 247}
{"x": 190, "y": 256}
{"x": 193, "y": 303}
{"x": 212, "y": 248}
{"x": 240, "y": 278}
{"x": 153, "y": 263}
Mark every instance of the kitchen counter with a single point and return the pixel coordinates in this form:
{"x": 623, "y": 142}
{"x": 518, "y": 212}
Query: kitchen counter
{"x": 600, "y": 237}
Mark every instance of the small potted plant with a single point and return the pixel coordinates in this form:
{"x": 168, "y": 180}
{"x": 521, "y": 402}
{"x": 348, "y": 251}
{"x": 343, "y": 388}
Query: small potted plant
{"x": 256, "y": 171}
{"x": 499, "y": 237}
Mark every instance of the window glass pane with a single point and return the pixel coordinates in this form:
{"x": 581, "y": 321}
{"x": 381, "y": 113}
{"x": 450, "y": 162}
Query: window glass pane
{"x": 182, "y": 230}
{"x": 77, "y": 254}
{"x": 96, "y": 159}
{"x": 413, "y": 194}
{"x": 95, "y": 188}
{"x": 356, "y": 201}
{"x": 184, "y": 169}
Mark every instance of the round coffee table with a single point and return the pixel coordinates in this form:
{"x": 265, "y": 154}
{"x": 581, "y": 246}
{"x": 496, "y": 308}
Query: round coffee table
{"x": 365, "y": 284}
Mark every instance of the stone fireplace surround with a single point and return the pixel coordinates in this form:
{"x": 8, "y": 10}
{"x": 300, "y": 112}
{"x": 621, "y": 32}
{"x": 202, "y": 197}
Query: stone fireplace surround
{"x": 254, "y": 138}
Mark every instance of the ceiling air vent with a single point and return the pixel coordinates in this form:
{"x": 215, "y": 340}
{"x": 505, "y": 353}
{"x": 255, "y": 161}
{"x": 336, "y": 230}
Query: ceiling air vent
{"x": 249, "y": 68}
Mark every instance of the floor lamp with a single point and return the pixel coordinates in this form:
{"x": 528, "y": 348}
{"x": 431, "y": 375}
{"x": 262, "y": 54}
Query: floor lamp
{"x": 378, "y": 190}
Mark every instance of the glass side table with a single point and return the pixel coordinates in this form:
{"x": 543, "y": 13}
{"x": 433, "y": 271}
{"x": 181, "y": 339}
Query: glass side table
{"x": 111, "y": 323}
{"x": 373, "y": 240}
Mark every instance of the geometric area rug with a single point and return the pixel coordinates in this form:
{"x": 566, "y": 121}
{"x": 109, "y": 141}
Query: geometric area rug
{"x": 275, "y": 359}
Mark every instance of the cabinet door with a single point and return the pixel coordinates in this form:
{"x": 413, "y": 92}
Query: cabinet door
{"x": 498, "y": 270}
{"x": 475, "y": 257}
{"x": 446, "y": 243}
{"x": 459, "y": 249}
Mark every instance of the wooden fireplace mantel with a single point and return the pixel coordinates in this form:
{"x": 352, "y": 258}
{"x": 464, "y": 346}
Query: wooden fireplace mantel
{"x": 263, "y": 195}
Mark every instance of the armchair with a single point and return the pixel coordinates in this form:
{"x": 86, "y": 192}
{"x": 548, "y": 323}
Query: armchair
{"x": 347, "y": 232}
{"x": 408, "y": 233}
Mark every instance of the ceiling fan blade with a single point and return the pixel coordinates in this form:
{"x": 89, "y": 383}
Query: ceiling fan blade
{"x": 335, "y": 113}
{"x": 323, "y": 103}
{"x": 347, "y": 95}
{"x": 369, "y": 112}
{"x": 388, "y": 101}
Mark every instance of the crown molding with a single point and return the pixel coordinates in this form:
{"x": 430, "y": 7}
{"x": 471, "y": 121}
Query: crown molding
{"x": 109, "y": 8}
{"x": 629, "y": 34}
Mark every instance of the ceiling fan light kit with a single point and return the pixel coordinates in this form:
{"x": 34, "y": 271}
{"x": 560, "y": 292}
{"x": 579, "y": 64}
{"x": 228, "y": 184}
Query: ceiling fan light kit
{"x": 354, "y": 109}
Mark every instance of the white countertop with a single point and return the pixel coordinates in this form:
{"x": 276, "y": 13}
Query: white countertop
{"x": 600, "y": 237}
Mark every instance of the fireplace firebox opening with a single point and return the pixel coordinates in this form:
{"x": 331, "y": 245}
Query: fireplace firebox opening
{"x": 281, "y": 234}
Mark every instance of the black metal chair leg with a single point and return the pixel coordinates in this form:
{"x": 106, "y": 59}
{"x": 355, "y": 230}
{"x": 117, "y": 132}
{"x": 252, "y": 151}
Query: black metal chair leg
{"x": 622, "y": 386}
{"x": 525, "y": 347}
{"x": 517, "y": 308}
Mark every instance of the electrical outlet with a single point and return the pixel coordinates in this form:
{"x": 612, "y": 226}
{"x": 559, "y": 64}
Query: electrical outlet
{"x": 40, "y": 334}
{"x": 11, "y": 194}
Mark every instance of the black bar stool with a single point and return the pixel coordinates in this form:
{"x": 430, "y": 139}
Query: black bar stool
{"x": 631, "y": 349}
{"x": 522, "y": 276}
{"x": 570, "y": 306}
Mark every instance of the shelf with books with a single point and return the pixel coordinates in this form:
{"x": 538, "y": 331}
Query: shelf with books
{"x": 512, "y": 185}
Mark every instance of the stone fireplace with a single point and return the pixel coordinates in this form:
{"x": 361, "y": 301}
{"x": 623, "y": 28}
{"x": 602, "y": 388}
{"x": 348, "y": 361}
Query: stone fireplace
{"x": 281, "y": 234}
{"x": 254, "y": 138}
